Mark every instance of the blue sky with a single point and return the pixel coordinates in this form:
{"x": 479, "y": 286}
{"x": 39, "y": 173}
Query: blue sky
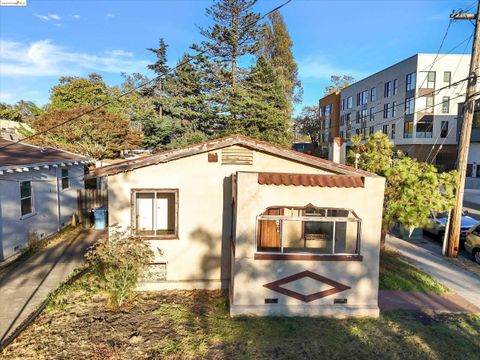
{"x": 48, "y": 39}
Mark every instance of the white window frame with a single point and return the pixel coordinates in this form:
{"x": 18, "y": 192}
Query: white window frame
{"x": 32, "y": 212}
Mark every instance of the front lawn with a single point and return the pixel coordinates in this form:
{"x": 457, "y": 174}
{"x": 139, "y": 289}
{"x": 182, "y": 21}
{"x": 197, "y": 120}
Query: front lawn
{"x": 397, "y": 274}
{"x": 196, "y": 324}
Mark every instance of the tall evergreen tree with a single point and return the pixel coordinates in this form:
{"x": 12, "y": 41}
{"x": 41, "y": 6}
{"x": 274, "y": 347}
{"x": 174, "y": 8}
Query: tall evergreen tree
{"x": 161, "y": 69}
{"x": 233, "y": 35}
{"x": 276, "y": 47}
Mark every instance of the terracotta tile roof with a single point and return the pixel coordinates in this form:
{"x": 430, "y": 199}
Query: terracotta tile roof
{"x": 340, "y": 181}
{"x": 24, "y": 154}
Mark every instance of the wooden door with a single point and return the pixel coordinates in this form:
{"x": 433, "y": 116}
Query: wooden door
{"x": 269, "y": 231}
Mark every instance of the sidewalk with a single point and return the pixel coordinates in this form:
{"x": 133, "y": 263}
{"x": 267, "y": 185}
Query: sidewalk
{"x": 464, "y": 283}
{"x": 25, "y": 286}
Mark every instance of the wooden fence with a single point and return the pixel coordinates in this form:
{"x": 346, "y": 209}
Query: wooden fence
{"x": 89, "y": 199}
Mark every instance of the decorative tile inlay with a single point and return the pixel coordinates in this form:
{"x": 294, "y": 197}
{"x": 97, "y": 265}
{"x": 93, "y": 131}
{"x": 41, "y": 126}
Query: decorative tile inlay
{"x": 336, "y": 287}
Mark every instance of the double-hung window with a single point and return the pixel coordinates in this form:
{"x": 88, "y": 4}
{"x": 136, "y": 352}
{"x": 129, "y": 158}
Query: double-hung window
{"x": 308, "y": 230}
{"x": 155, "y": 213}
{"x": 65, "y": 181}
{"x": 26, "y": 199}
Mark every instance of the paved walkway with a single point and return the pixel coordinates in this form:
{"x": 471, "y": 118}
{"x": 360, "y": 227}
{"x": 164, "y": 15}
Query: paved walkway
{"x": 25, "y": 286}
{"x": 463, "y": 282}
{"x": 425, "y": 302}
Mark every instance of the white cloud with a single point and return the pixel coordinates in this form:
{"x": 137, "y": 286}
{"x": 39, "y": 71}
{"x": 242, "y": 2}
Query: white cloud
{"x": 76, "y": 17}
{"x": 44, "y": 58}
{"x": 49, "y": 17}
{"x": 110, "y": 15}
{"x": 319, "y": 67}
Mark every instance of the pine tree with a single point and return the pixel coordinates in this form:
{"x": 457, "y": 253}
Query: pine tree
{"x": 233, "y": 35}
{"x": 161, "y": 69}
{"x": 276, "y": 47}
{"x": 261, "y": 106}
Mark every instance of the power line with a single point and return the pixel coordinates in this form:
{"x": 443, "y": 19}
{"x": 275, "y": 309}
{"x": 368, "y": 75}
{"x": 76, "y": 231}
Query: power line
{"x": 155, "y": 79}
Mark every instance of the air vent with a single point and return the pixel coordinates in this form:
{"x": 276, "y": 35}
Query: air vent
{"x": 340, "y": 301}
{"x": 237, "y": 156}
{"x": 271, "y": 301}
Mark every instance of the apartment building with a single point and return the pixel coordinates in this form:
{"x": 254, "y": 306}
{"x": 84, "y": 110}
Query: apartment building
{"x": 329, "y": 116}
{"x": 473, "y": 160}
{"x": 415, "y": 102}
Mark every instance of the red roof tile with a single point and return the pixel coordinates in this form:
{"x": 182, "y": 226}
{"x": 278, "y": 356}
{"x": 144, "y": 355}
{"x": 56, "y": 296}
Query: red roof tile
{"x": 340, "y": 181}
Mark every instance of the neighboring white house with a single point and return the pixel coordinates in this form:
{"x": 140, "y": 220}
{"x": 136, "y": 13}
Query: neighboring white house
{"x": 38, "y": 193}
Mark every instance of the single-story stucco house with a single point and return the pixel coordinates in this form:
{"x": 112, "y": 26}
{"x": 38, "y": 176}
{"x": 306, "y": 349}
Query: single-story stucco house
{"x": 38, "y": 193}
{"x": 287, "y": 233}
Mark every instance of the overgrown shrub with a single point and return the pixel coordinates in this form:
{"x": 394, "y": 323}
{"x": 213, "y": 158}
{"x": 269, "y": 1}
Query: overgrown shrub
{"x": 118, "y": 262}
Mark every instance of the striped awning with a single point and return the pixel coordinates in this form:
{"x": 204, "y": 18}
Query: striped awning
{"x": 339, "y": 181}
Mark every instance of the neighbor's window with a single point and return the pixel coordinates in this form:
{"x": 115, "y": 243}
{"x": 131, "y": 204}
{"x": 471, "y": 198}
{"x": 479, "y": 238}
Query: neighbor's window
{"x": 411, "y": 81}
{"x": 26, "y": 205}
{"x": 445, "y": 104}
{"x": 155, "y": 213}
{"x": 409, "y": 106}
{"x": 407, "y": 129}
{"x": 444, "y": 129}
{"x": 309, "y": 230}
{"x": 65, "y": 182}
{"x": 424, "y": 128}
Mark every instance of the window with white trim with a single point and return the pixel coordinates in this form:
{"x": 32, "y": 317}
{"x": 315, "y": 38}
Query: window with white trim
{"x": 309, "y": 229}
{"x": 26, "y": 199}
{"x": 65, "y": 180}
{"x": 155, "y": 213}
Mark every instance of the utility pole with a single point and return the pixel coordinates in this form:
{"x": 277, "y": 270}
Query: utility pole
{"x": 463, "y": 145}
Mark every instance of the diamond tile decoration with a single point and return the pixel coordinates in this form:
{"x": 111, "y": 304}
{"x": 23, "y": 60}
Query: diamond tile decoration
{"x": 336, "y": 287}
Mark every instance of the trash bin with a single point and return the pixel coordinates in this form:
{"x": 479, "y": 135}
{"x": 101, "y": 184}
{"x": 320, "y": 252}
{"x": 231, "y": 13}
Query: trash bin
{"x": 100, "y": 216}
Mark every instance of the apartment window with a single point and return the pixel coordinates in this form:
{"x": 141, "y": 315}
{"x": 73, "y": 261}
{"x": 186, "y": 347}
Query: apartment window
{"x": 387, "y": 89}
{"x": 349, "y": 102}
{"x": 372, "y": 114}
{"x": 386, "y": 110}
{"x": 445, "y": 105}
{"x": 407, "y": 129}
{"x": 362, "y": 133}
{"x": 26, "y": 203}
{"x": 311, "y": 230}
{"x": 358, "y": 99}
{"x": 348, "y": 118}
{"x": 394, "y": 109}
{"x": 357, "y": 131}
{"x": 370, "y": 130}
{"x": 364, "y": 115}
{"x": 373, "y": 94}
{"x": 424, "y": 128}
{"x": 385, "y": 129}
{"x": 395, "y": 87}
{"x": 357, "y": 119}
{"x": 447, "y": 77}
{"x": 343, "y": 104}
{"x": 342, "y": 120}
{"x": 392, "y": 131}
{"x": 444, "y": 129}
{"x": 430, "y": 100}
{"x": 155, "y": 213}
{"x": 431, "y": 80}
{"x": 364, "y": 97}
{"x": 342, "y": 134}
{"x": 409, "y": 105}
{"x": 411, "y": 81}
{"x": 65, "y": 181}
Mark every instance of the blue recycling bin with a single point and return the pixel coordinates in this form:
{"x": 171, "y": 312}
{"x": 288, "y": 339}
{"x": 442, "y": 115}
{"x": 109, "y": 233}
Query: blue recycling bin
{"x": 100, "y": 216}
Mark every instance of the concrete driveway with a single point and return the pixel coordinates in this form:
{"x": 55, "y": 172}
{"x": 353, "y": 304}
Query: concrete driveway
{"x": 24, "y": 287}
{"x": 423, "y": 255}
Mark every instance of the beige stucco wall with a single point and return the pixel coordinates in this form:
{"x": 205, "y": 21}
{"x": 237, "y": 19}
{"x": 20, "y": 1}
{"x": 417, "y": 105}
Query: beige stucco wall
{"x": 200, "y": 258}
{"x": 248, "y": 293}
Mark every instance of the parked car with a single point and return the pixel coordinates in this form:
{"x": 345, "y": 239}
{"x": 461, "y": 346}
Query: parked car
{"x": 472, "y": 244}
{"x": 437, "y": 224}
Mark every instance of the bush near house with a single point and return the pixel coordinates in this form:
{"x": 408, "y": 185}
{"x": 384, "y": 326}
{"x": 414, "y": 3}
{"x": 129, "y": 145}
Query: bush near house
{"x": 117, "y": 263}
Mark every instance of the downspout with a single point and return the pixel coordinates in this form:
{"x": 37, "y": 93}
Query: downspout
{"x": 58, "y": 201}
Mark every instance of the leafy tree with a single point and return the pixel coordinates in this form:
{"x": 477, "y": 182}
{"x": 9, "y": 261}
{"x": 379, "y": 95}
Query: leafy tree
{"x": 99, "y": 134}
{"x": 72, "y": 92}
{"x": 8, "y": 112}
{"x": 338, "y": 83}
{"x": 233, "y": 35}
{"x": 276, "y": 47}
{"x": 308, "y": 124}
{"x": 27, "y": 109}
{"x": 412, "y": 189}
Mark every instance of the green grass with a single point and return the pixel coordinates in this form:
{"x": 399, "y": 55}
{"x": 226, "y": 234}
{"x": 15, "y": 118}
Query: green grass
{"x": 197, "y": 325}
{"x": 396, "y": 274}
